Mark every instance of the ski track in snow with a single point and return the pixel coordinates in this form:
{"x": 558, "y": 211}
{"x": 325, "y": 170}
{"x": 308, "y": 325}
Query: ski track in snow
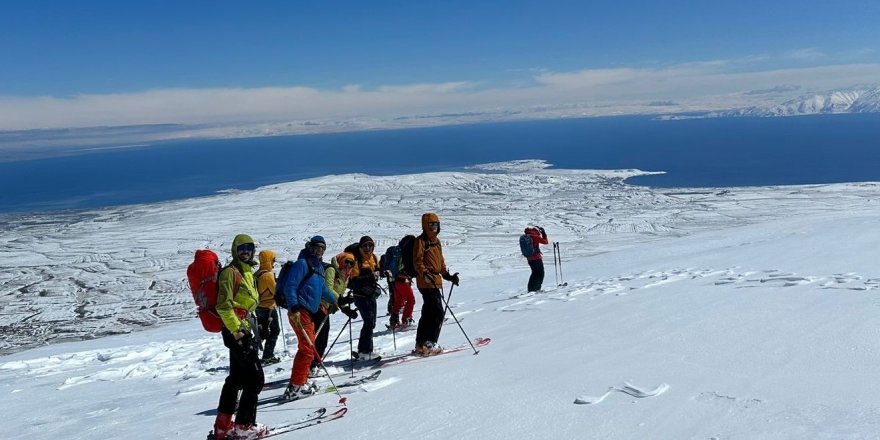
{"x": 634, "y": 283}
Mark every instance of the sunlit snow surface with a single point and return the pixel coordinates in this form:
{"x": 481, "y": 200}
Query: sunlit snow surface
{"x": 716, "y": 313}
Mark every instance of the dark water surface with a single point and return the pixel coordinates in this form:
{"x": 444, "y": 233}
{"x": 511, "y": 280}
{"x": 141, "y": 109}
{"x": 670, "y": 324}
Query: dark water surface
{"x": 694, "y": 153}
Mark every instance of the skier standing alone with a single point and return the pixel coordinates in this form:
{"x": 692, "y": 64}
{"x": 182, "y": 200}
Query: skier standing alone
{"x": 536, "y": 260}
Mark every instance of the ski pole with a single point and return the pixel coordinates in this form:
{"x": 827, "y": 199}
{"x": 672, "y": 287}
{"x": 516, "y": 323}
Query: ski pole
{"x": 476, "y": 352}
{"x": 281, "y": 329}
{"x": 555, "y": 270}
{"x": 559, "y": 250}
{"x": 337, "y": 337}
{"x": 351, "y": 347}
{"x": 342, "y": 400}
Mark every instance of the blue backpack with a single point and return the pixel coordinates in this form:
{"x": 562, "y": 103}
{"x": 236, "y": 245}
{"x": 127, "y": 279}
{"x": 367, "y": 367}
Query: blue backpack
{"x": 391, "y": 261}
{"x": 526, "y": 246}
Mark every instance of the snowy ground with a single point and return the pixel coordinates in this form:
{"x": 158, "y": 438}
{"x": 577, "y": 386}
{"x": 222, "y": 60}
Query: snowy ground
{"x": 730, "y": 313}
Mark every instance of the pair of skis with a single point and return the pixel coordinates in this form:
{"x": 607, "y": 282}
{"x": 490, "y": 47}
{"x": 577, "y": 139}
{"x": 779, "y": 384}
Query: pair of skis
{"x": 346, "y": 387}
{"x": 409, "y": 357}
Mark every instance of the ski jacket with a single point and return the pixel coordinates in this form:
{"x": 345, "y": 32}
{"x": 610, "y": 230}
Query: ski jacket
{"x": 537, "y": 239}
{"x": 266, "y": 280}
{"x": 233, "y": 307}
{"x": 363, "y": 282}
{"x": 335, "y": 277}
{"x": 313, "y": 289}
{"x": 428, "y": 256}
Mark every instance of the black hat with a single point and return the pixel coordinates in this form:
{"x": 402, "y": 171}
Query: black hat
{"x": 365, "y": 239}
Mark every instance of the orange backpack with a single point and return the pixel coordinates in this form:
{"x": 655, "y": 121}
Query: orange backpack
{"x": 202, "y": 275}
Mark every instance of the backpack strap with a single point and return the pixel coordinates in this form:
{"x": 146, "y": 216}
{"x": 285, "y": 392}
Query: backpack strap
{"x": 236, "y": 281}
{"x": 305, "y": 279}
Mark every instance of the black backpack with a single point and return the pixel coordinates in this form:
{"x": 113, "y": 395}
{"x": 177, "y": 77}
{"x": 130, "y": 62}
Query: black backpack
{"x": 406, "y": 255}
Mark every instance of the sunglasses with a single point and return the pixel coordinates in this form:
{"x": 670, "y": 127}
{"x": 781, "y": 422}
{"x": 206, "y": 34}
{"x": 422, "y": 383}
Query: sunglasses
{"x": 368, "y": 246}
{"x": 247, "y": 247}
{"x": 319, "y": 246}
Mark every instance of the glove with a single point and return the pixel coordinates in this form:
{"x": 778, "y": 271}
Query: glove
{"x": 451, "y": 278}
{"x": 246, "y": 342}
{"x": 294, "y": 316}
{"x": 352, "y": 314}
{"x": 345, "y": 300}
{"x": 543, "y": 232}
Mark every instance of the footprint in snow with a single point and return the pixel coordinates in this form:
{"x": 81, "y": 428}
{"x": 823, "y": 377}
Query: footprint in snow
{"x": 626, "y": 388}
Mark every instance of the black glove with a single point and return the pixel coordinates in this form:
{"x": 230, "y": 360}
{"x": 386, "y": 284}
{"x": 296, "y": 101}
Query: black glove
{"x": 248, "y": 344}
{"x": 543, "y": 232}
{"x": 352, "y": 314}
{"x": 452, "y": 278}
{"x": 294, "y": 308}
{"x": 344, "y": 300}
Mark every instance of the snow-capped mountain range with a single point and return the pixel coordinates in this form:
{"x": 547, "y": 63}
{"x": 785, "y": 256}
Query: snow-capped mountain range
{"x": 861, "y": 100}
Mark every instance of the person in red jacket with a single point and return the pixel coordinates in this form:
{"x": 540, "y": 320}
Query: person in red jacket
{"x": 536, "y": 261}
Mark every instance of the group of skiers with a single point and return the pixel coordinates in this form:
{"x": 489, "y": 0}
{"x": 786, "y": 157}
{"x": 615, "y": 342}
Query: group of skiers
{"x": 311, "y": 290}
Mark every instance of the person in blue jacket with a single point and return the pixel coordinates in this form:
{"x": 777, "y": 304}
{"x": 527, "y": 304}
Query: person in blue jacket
{"x": 304, "y": 289}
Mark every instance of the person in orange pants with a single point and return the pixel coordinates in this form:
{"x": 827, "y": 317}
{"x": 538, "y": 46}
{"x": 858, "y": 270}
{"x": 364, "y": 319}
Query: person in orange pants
{"x": 304, "y": 288}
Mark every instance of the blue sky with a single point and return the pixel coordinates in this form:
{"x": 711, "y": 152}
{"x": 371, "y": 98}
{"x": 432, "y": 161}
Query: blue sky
{"x": 65, "y": 49}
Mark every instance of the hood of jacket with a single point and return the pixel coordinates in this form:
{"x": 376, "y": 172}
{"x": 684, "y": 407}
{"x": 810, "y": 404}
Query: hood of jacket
{"x": 239, "y": 240}
{"x": 267, "y": 260}
{"x": 429, "y": 217}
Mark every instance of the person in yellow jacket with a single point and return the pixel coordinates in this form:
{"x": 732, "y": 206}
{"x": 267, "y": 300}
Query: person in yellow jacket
{"x": 237, "y": 299}
{"x": 267, "y": 315}
{"x": 430, "y": 268}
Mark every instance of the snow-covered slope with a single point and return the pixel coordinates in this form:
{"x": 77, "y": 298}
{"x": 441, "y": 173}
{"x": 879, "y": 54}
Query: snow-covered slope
{"x": 730, "y": 313}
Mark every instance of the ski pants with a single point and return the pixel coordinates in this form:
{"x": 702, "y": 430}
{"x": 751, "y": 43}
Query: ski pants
{"x": 537, "y": 277}
{"x": 245, "y": 376}
{"x": 305, "y": 350}
{"x": 367, "y": 308}
{"x": 432, "y": 316}
{"x": 322, "y": 335}
{"x": 267, "y": 321}
{"x": 404, "y": 300}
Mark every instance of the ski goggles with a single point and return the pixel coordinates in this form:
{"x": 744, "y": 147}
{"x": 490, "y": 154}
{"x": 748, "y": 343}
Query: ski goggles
{"x": 349, "y": 263}
{"x": 246, "y": 247}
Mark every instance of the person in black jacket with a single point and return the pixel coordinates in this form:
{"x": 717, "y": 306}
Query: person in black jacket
{"x": 364, "y": 283}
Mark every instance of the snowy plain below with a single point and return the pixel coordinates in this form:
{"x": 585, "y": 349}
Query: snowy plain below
{"x": 719, "y": 313}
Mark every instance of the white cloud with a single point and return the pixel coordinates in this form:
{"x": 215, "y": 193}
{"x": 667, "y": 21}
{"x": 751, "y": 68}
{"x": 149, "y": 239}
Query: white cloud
{"x": 614, "y": 88}
{"x": 809, "y": 53}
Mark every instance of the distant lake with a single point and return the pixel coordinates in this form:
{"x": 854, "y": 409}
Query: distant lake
{"x": 694, "y": 153}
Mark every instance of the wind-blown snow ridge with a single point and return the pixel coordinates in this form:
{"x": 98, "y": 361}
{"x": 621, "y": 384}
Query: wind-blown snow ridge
{"x": 626, "y": 388}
